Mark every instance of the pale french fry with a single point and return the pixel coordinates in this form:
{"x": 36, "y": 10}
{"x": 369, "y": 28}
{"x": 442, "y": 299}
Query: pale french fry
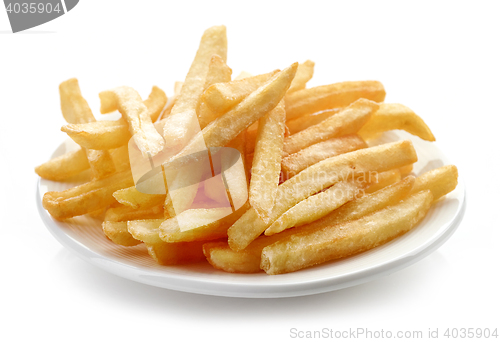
{"x": 226, "y": 127}
{"x": 318, "y": 177}
{"x": 302, "y": 122}
{"x": 311, "y": 248}
{"x": 65, "y": 166}
{"x": 348, "y": 121}
{"x": 439, "y": 181}
{"x": 130, "y": 105}
{"x": 118, "y": 233}
{"x": 294, "y": 163}
{"x": 218, "y": 72}
{"x": 171, "y": 103}
{"x": 176, "y": 253}
{"x": 110, "y": 134}
{"x": 242, "y": 75}
{"x": 266, "y": 166}
{"x": 392, "y": 116}
{"x": 312, "y": 100}
{"x": 384, "y": 179}
{"x": 170, "y": 231}
{"x": 182, "y": 123}
{"x": 87, "y": 197}
{"x": 145, "y": 230}
{"x": 304, "y": 73}
{"x": 128, "y": 214}
{"x": 221, "y": 97}
{"x": 222, "y": 257}
{"x": 120, "y": 158}
{"x": 316, "y": 206}
{"x": 76, "y": 110}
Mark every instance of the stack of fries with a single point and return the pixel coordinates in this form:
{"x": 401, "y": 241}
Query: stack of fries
{"x": 308, "y": 187}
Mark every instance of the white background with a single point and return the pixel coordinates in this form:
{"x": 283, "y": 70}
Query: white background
{"x": 440, "y": 59}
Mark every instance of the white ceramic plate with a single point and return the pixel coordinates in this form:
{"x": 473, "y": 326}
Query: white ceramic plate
{"x": 84, "y": 237}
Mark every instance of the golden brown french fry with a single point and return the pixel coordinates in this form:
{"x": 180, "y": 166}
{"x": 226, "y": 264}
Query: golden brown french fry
{"x": 176, "y": 253}
{"x": 392, "y": 116}
{"x": 145, "y": 230}
{"x": 439, "y": 181}
{"x": 311, "y": 248}
{"x": 294, "y": 163}
{"x": 171, "y": 103}
{"x": 312, "y": 100}
{"x": 118, "y": 233}
{"x": 221, "y": 97}
{"x": 87, "y": 197}
{"x": 110, "y": 134}
{"x": 224, "y": 258}
{"x": 76, "y": 110}
{"x": 226, "y": 127}
{"x": 266, "y": 166}
{"x": 218, "y": 72}
{"x": 65, "y": 166}
{"x": 318, "y": 177}
{"x": 406, "y": 170}
{"x": 170, "y": 231}
{"x": 315, "y": 206}
{"x": 128, "y": 214}
{"x": 182, "y": 123}
{"x": 130, "y": 105}
{"x": 348, "y": 121}
{"x": 101, "y": 163}
{"x": 302, "y": 122}
{"x": 383, "y": 179}
{"x": 304, "y": 73}
{"x": 133, "y": 198}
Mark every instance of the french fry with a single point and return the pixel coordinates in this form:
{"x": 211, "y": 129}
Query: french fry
{"x": 312, "y": 100}
{"x": 76, "y": 110}
{"x": 318, "y": 177}
{"x": 294, "y": 163}
{"x": 242, "y": 75}
{"x": 392, "y": 116}
{"x": 118, "y": 233}
{"x": 304, "y": 73}
{"x": 266, "y": 166}
{"x": 221, "y": 97}
{"x": 234, "y": 172}
{"x": 171, "y": 103}
{"x": 406, "y": 170}
{"x": 348, "y": 121}
{"x": 311, "y": 248}
{"x": 439, "y": 181}
{"x": 316, "y": 206}
{"x": 145, "y": 230}
{"x": 128, "y": 214}
{"x": 302, "y": 122}
{"x": 110, "y": 134}
{"x": 65, "y": 166}
{"x": 130, "y": 105}
{"x": 87, "y": 197}
{"x": 170, "y": 231}
{"x": 384, "y": 179}
{"x": 226, "y": 127}
{"x": 182, "y": 123}
{"x": 176, "y": 253}
{"x": 222, "y": 257}
{"x": 218, "y": 72}
{"x": 133, "y": 198}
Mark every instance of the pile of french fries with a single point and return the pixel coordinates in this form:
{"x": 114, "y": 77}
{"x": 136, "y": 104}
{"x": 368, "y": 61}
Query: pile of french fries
{"x": 311, "y": 189}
